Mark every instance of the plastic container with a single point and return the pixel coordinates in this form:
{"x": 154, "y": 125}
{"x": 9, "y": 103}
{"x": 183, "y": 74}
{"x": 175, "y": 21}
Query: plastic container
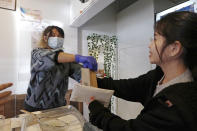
{"x": 52, "y": 124}
{"x": 66, "y": 118}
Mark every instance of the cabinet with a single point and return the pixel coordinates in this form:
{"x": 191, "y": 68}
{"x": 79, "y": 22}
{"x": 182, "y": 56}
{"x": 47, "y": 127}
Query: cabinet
{"x": 80, "y": 13}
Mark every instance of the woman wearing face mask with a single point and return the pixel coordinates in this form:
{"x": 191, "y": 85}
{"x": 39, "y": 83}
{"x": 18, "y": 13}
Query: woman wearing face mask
{"x": 50, "y": 69}
{"x": 169, "y": 92}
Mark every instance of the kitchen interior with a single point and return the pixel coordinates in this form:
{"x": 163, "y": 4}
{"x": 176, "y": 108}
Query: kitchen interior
{"x": 131, "y": 22}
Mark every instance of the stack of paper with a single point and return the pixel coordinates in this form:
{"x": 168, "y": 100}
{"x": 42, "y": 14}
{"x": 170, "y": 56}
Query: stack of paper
{"x": 83, "y": 93}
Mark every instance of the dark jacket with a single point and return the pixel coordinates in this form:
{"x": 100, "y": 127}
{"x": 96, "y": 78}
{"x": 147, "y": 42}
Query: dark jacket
{"x": 158, "y": 114}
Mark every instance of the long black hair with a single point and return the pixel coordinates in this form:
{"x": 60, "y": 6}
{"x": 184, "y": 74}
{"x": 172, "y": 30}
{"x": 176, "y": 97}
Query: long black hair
{"x": 182, "y": 27}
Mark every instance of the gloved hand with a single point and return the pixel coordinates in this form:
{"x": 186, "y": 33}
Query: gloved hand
{"x": 87, "y": 61}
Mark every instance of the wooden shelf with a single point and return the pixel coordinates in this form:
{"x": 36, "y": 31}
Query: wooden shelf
{"x": 90, "y": 11}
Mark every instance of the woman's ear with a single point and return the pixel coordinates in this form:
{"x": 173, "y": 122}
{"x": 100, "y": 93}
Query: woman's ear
{"x": 45, "y": 38}
{"x": 176, "y": 49}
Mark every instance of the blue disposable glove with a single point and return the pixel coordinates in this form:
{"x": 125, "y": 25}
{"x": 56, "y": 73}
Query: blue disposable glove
{"x": 87, "y": 61}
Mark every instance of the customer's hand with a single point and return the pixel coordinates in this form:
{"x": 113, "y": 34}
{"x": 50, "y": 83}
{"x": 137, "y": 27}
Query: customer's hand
{"x": 87, "y": 61}
{"x": 67, "y": 96}
{"x": 5, "y": 94}
{"x": 90, "y": 100}
{"x": 100, "y": 73}
{"x": 4, "y": 86}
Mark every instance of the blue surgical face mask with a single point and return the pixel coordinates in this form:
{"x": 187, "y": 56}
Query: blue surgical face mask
{"x": 55, "y": 42}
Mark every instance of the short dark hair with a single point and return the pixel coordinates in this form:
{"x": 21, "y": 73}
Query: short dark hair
{"x": 50, "y": 28}
{"x": 182, "y": 27}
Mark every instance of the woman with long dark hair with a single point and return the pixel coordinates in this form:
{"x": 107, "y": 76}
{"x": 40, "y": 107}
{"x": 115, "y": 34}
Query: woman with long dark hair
{"x": 169, "y": 92}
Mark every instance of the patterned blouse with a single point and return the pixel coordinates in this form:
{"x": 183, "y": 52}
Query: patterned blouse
{"x": 49, "y": 79}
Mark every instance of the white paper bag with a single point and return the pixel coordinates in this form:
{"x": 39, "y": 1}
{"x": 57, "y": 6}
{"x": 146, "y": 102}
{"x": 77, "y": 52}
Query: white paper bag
{"x": 83, "y": 93}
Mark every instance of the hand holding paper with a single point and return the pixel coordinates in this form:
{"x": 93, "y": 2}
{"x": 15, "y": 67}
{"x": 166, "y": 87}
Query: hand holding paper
{"x": 83, "y": 93}
{"x": 90, "y": 100}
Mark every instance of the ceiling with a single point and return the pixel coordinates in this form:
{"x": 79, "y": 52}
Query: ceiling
{"x": 177, "y": 1}
{"x": 159, "y": 5}
{"x": 122, "y": 4}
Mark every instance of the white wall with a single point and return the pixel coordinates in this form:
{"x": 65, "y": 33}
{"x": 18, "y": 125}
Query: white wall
{"x": 8, "y": 72}
{"x": 77, "y": 8}
{"x": 15, "y": 39}
{"x": 134, "y": 30}
{"x": 195, "y": 5}
{"x": 57, "y": 13}
{"x": 104, "y": 24}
